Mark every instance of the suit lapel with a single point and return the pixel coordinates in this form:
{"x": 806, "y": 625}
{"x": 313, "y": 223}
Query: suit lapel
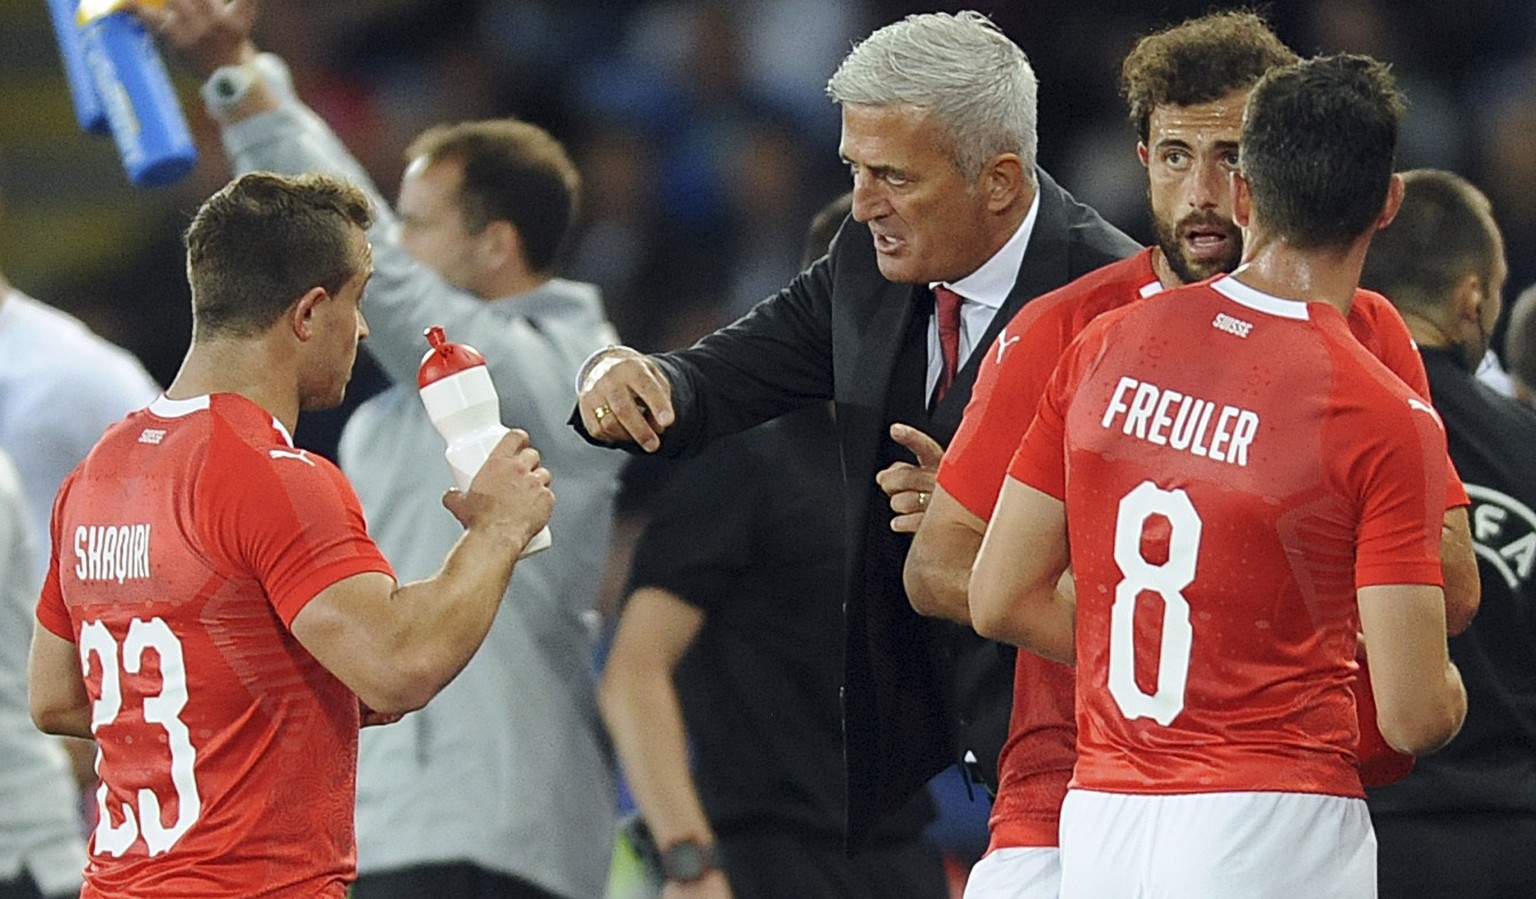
{"x": 1045, "y": 267}
{"x": 867, "y": 345}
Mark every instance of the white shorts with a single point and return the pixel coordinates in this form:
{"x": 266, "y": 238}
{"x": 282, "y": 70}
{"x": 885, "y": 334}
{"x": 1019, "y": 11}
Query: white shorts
{"x": 1216, "y": 846}
{"x": 1018, "y": 872}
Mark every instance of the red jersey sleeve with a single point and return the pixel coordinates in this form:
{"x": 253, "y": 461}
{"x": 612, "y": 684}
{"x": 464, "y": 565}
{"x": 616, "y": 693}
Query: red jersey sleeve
{"x": 1040, "y": 459}
{"x": 287, "y": 516}
{"x": 1380, "y": 328}
{"x": 1400, "y": 486}
{"x": 51, "y": 610}
{"x": 1016, "y": 369}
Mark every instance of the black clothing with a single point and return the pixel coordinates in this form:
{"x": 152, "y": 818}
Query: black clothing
{"x": 1487, "y": 773}
{"x": 24, "y": 888}
{"x": 1455, "y": 855}
{"x": 750, "y": 532}
{"x": 774, "y": 865}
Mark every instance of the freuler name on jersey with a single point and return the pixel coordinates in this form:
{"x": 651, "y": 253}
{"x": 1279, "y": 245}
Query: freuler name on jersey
{"x": 1177, "y": 420}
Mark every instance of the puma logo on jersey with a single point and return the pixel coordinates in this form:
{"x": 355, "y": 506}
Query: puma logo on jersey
{"x": 1182, "y": 422}
{"x": 1416, "y": 403}
{"x": 152, "y": 436}
{"x": 1003, "y": 343}
{"x": 113, "y": 552}
{"x": 1503, "y": 533}
{"x": 1235, "y": 326}
{"x": 291, "y": 454}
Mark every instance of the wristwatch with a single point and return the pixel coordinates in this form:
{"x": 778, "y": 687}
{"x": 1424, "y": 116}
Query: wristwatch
{"x": 687, "y": 860}
{"x": 226, "y": 87}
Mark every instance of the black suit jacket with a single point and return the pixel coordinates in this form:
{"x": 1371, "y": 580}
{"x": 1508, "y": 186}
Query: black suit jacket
{"x": 918, "y": 694}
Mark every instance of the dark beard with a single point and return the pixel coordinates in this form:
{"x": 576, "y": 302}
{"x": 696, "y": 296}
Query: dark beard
{"x": 1173, "y": 250}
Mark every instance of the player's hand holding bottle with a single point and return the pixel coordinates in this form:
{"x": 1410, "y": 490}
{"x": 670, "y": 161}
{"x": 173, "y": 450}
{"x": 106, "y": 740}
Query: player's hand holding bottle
{"x": 509, "y": 494}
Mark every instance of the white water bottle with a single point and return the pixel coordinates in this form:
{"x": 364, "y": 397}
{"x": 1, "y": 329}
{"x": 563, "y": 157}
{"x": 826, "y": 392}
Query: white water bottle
{"x": 461, "y": 401}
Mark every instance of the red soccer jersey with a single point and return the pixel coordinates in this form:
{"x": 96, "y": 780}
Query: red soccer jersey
{"x": 1018, "y": 365}
{"x": 1037, "y": 759}
{"x": 183, "y": 547}
{"x": 1234, "y": 467}
{"x": 1013, "y": 375}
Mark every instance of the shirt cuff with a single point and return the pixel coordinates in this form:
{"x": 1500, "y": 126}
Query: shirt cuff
{"x": 274, "y": 74}
{"x": 588, "y": 367}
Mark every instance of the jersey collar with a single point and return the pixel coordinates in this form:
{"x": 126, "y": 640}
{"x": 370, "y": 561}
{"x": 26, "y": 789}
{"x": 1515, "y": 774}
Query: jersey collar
{"x": 1259, "y": 301}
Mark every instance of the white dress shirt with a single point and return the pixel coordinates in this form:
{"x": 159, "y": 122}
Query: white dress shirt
{"x": 982, "y": 293}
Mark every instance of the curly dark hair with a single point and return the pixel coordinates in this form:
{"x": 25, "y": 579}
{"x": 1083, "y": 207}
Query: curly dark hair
{"x": 1199, "y": 61}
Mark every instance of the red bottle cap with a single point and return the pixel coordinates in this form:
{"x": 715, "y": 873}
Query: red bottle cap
{"x": 445, "y": 358}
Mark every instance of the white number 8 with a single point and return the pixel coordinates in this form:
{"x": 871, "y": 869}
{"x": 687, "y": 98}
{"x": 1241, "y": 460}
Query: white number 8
{"x": 1168, "y": 581}
{"x": 163, "y": 709}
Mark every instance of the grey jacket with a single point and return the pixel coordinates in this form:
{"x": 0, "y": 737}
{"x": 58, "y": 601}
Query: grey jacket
{"x": 507, "y": 768}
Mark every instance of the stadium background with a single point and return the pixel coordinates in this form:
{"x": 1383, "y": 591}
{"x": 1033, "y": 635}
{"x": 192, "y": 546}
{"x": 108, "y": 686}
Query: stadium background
{"x": 701, "y": 129}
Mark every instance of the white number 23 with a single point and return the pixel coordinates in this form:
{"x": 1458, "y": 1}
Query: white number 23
{"x": 163, "y": 709}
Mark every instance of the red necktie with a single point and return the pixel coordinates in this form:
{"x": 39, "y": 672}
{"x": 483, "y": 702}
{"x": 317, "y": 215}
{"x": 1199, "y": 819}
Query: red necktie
{"x": 947, "y": 311}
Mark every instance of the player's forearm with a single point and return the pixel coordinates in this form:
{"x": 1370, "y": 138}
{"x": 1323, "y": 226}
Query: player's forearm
{"x": 938, "y": 572}
{"x": 441, "y": 621}
{"x": 639, "y": 704}
{"x": 56, "y": 695}
{"x": 1420, "y": 700}
{"x": 1017, "y": 603}
{"x": 1458, "y": 566}
{"x": 1454, "y": 709}
{"x": 82, "y": 760}
{"x": 938, "y": 568}
{"x": 1013, "y": 591}
{"x": 1435, "y": 721}
{"x": 63, "y": 722}
{"x": 1037, "y": 619}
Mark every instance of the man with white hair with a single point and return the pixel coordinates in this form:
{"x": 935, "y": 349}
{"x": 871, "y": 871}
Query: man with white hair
{"x": 953, "y": 229}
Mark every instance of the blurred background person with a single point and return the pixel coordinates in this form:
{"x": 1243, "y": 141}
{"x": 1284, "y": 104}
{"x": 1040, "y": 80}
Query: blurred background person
{"x": 504, "y": 787}
{"x": 60, "y": 386}
{"x": 1521, "y": 340}
{"x": 1462, "y": 824}
{"x": 42, "y": 848}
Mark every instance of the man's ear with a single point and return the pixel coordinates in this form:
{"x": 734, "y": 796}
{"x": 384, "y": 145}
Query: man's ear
{"x": 1242, "y": 200}
{"x": 1142, "y": 153}
{"x": 301, "y": 315}
{"x": 1393, "y": 203}
{"x": 499, "y": 243}
{"x": 1467, "y": 298}
{"x": 1003, "y": 181}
